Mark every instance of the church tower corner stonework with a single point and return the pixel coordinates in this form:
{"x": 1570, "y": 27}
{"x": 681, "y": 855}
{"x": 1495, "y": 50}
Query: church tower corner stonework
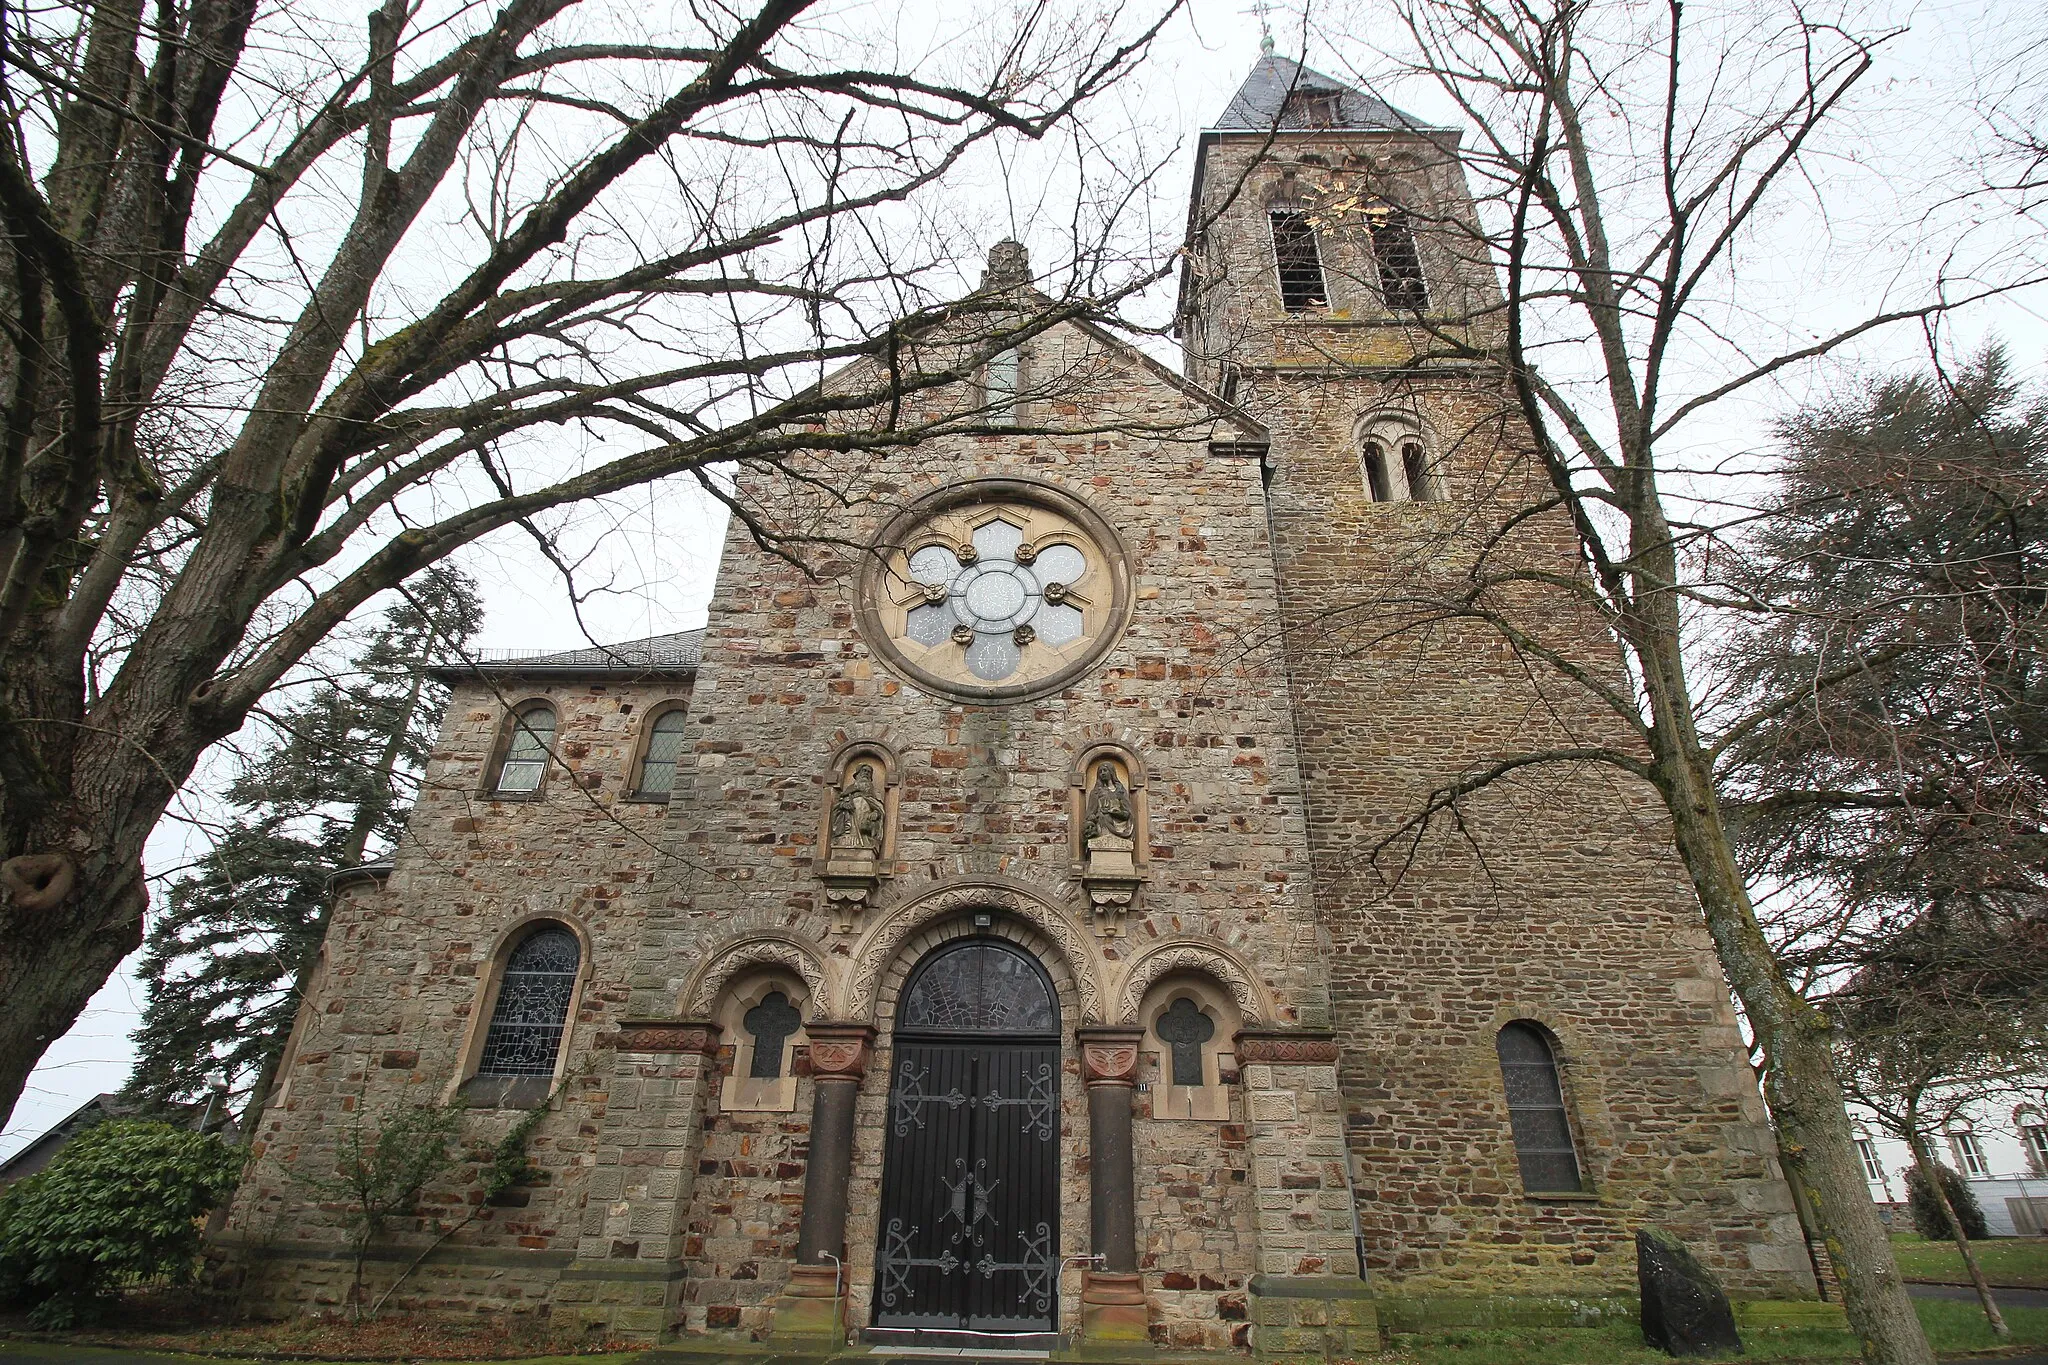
{"x": 988, "y": 929}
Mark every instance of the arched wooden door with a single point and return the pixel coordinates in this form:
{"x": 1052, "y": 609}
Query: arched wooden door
{"x": 970, "y": 1180}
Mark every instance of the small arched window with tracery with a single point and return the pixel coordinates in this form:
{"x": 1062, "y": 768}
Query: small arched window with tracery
{"x": 1536, "y": 1111}
{"x": 657, "y": 775}
{"x": 532, "y": 1010}
{"x": 526, "y": 751}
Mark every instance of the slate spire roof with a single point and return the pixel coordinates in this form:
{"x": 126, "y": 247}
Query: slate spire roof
{"x": 1262, "y": 103}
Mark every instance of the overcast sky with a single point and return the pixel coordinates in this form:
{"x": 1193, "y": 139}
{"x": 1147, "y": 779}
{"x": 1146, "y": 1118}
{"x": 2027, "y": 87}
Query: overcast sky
{"x": 659, "y": 551}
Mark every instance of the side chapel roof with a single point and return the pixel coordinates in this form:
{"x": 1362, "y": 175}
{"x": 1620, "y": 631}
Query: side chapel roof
{"x": 677, "y": 652}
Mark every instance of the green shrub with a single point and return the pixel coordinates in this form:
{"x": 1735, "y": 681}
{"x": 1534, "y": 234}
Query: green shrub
{"x": 1927, "y": 1219}
{"x": 122, "y": 1202}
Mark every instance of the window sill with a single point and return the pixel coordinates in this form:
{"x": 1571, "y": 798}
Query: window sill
{"x": 514, "y": 796}
{"x": 506, "y": 1092}
{"x": 1561, "y": 1196}
{"x": 647, "y": 798}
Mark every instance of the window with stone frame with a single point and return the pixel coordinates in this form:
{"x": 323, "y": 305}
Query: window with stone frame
{"x": 531, "y": 1014}
{"x": 1299, "y": 263}
{"x": 1378, "y": 483}
{"x": 525, "y": 761}
{"x": 657, "y": 776}
{"x": 770, "y": 1025}
{"x": 1402, "y": 286}
{"x": 1415, "y": 471}
{"x": 2034, "y": 1137}
{"x": 1001, "y": 382}
{"x": 1540, "y": 1125}
{"x": 1969, "y": 1155}
{"x": 1184, "y": 1028}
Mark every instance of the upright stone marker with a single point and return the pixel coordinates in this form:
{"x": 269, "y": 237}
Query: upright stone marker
{"x": 1684, "y": 1311}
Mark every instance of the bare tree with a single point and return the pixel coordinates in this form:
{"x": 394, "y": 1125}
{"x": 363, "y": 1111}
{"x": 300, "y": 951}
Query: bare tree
{"x": 1952, "y": 1016}
{"x": 1627, "y": 160}
{"x": 303, "y": 300}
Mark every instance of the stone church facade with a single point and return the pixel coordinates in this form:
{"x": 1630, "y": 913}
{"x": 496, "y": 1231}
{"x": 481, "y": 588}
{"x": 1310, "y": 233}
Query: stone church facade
{"x": 1011, "y": 932}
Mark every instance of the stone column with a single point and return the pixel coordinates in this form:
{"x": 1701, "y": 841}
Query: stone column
{"x": 812, "y": 1303}
{"x": 1308, "y": 1301}
{"x": 627, "y": 1273}
{"x": 1112, "y": 1290}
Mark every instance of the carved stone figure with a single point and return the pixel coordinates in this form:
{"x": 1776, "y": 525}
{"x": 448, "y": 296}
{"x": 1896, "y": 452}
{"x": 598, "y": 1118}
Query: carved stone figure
{"x": 857, "y": 814}
{"x": 1110, "y": 813}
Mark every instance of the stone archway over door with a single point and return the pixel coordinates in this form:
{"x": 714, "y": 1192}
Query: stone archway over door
{"x": 970, "y": 1183}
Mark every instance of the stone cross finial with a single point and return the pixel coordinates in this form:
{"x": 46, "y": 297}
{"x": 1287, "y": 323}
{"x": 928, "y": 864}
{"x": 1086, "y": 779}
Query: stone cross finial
{"x": 1009, "y": 265}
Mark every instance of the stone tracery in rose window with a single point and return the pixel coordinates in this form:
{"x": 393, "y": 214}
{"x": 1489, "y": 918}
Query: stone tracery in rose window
{"x": 997, "y": 594}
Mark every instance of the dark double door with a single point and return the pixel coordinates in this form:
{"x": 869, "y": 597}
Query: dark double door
{"x": 970, "y": 1192}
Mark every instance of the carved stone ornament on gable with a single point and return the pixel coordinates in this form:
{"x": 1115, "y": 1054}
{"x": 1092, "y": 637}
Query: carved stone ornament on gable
{"x": 1109, "y": 843}
{"x": 855, "y": 838}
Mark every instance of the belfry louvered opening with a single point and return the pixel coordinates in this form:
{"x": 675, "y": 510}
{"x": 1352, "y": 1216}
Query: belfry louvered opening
{"x": 1299, "y": 263}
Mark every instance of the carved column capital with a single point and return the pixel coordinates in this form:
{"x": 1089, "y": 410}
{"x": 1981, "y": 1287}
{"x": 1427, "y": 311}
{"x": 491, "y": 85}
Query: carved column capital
{"x": 1286, "y": 1045}
{"x": 839, "y": 1051}
{"x": 667, "y": 1035}
{"x": 1109, "y": 1053}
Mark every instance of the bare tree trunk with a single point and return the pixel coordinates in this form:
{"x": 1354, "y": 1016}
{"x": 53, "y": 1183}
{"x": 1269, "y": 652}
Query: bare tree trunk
{"x": 1930, "y": 1171}
{"x": 1817, "y": 1143}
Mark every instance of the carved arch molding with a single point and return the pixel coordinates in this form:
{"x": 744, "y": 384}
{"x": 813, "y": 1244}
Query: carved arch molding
{"x": 885, "y": 941}
{"x": 1202, "y": 960}
{"x": 734, "y": 958}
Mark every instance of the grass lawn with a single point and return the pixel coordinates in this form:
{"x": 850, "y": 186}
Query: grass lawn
{"x": 2006, "y": 1260}
{"x": 1951, "y": 1327}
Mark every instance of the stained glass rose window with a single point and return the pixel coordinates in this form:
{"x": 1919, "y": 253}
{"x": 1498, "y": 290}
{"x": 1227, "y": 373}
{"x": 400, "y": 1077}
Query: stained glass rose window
{"x": 998, "y": 593}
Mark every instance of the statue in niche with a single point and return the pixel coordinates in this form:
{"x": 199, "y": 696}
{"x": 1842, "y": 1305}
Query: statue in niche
{"x": 1109, "y": 829}
{"x": 1109, "y": 842}
{"x": 857, "y": 816}
{"x": 854, "y": 835}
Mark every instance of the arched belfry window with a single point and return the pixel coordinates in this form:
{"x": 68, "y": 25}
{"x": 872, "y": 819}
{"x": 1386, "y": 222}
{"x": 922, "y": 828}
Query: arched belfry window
{"x": 532, "y": 1012}
{"x": 526, "y": 750}
{"x": 1299, "y": 263}
{"x": 657, "y": 776}
{"x": 979, "y": 986}
{"x": 1395, "y": 464}
{"x": 1400, "y": 263}
{"x": 1536, "y": 1112}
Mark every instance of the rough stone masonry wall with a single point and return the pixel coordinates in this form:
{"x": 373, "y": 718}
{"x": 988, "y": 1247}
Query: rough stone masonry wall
{"x": 1558, "y": 899}
{"x": 1196, "y": 1242}
{"x": 984, "y": 790}
{"x": 402, "y": 980}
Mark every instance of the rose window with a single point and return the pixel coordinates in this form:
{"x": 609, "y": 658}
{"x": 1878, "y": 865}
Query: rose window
{"x": 997, "y": 597}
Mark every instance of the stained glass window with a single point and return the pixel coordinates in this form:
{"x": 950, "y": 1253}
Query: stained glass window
{"x": 771, "y": 1022}
{"x": 1543, "y": 1132}
{"x": 664, "y": 746}
{"x": 526, "y": 754}
{"x": 1184, "y": 1028}
{"x": 533, "y": 1005}
{"x": 979, "y": 986}
{"x": 1002, "y": 594}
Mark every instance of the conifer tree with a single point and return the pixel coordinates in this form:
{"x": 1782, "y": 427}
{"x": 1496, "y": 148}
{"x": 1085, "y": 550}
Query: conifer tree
{"x": 226, "y": 958}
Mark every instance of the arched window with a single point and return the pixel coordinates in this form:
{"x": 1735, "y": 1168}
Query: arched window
{"x": 526, "y": 750}
{"x": 1400, "y": 264}
{"x": 1299, "y": 263}
{"x": 664, "y": 747}
{"x": 532, "y": 1012}
{"x": 1378, "y": 485}
{"x": 1415, "y": 469}
{"x": 1542, "y": 1130}
{"x": 979, "y": 985}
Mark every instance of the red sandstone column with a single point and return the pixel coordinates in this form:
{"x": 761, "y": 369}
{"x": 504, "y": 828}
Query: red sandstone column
{"x": 839, "y": 1058}
{"x": 1112, "y": 1290}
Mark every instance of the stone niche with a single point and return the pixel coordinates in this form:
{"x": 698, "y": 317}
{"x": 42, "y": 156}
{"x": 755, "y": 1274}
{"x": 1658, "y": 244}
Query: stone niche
{"x": 1190, "y": 1022}
{"x": 857, "y": 829}
{"x": 1111, "y": 832}
{"x": 761, "y": 1014}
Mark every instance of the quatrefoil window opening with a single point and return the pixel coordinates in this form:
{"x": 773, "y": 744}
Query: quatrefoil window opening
{"x": 996, "y": 596}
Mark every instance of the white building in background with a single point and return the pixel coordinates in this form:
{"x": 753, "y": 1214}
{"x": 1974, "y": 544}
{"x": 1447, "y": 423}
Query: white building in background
{"x": 2001, "y": 1150}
